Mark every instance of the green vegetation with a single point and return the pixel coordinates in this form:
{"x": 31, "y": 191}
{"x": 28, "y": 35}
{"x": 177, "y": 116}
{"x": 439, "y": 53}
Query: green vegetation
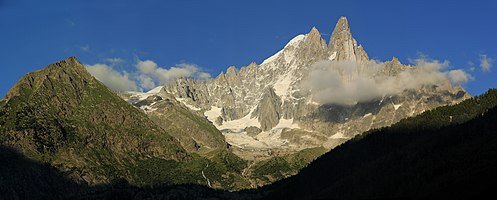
{"x": 451, "y": 114}
{"x": 204, "y": 124}
{"x": 63, "y": 116}
{"x": 156, "y": 171}
{"x": 281, "y": 167}
{"x": 227, "y": 164}
{"x": 196, "y": 134}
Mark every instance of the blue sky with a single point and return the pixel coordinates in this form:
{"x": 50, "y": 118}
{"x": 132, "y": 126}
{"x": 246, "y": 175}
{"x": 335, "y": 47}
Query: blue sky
{"x": 209, "y": 36}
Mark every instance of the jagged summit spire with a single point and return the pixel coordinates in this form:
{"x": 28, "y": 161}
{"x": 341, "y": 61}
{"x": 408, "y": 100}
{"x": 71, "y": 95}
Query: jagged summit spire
{"x": 340, "y": 33}
{"x": 314, "y": 30}
{"x": 344, "y": 44}
{"x": 314, "y": 37}
{"x": 343, "y": 23}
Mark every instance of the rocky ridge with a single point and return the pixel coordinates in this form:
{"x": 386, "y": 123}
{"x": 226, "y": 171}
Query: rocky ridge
{"x": 272, "y": 96}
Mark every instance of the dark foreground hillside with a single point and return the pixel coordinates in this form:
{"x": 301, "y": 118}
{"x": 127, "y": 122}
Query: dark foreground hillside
{"x": 24, "y": 178}
{"x": 448, "y": 153}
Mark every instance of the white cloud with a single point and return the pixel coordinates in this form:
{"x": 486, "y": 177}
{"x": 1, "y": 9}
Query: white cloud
{"x": 459, "y": 76}
{"x": 204, "y": 76}
{"x": 347, "y": 83}
{"x": 146, "y": 66}
{"x": 146, "y": 82}
{"x": 118, "y": 81}
{"x": 485, "y": 63}
{"x": 164, "y": 75}
{"x": 147, "y": 76}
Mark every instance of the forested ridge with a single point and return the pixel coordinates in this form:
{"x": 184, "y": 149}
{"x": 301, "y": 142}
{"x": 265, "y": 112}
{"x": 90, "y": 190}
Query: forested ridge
{"x": 448, "y": 152}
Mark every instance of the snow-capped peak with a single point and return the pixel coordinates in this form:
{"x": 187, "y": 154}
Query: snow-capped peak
{"x": 155, "y": 90}
{"x": 296, "y": 40}
{"x": 293, "y": 42}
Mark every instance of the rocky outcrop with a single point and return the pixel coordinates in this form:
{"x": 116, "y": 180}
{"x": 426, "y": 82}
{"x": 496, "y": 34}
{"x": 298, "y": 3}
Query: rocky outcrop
{"x": 253, "y": 131}
{"x": 394, "y": 67}
{"x": 314, "y": 38}
{"x": 268, "y": 110}
{"x": 343, "y": 46}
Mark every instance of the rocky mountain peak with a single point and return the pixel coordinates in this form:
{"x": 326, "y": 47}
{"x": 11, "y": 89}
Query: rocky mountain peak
{"x": 69, "y": 63}
{"x": 344, "y": 44}
{"x": 341, "y": 33}
{"x": 342, "y": 25}
{"x": 221, "y": 74}
{"x": 314, "y": 38}
{"x": 395, "y": 60}
{"x": 66, "y": 71}
{"x": 273, "y": 96}
{"x": 231, "y": 71}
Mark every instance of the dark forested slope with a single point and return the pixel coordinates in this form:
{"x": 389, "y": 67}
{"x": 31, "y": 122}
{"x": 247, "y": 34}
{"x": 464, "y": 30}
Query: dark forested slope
{"x": 449, "y": 152}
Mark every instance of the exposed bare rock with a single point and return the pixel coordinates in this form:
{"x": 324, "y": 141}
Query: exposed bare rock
{"x": 314, "y": 38}
{"x": 253, "y": 131}
{"x": 268, "y": 110}
{"x": 345, "y": 45}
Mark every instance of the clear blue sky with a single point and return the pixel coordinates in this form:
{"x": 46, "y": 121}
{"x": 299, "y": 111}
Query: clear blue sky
{"x": 217, "y": 34}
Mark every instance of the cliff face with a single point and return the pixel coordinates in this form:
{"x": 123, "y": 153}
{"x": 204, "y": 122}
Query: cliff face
{"x": 268, "y": 111}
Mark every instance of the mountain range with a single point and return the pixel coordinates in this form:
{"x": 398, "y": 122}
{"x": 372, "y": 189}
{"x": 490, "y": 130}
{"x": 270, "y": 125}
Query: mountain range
{"x": 287, "y": 103}
{"x": 282, "y": 104}
{"x": 390, "y": 130}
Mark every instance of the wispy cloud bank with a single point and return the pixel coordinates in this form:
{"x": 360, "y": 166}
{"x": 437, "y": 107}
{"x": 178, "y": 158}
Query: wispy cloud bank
{"x": 118, "y": 81}
{"x": 147, "y": 76}
{"x": 459, "y": 76}
{"x": 485, "y": 63}
{"x": 149, "y": 70}
{"x": 347, "y": 83}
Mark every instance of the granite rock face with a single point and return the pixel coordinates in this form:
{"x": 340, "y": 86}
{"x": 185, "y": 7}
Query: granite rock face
{"x": 345, "y": 45}
{"x": 268, "y": 111}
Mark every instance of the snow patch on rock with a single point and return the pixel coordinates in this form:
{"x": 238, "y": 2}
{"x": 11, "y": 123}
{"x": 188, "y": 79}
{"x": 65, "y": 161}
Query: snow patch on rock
{"x": 184, "y": 102}
{"x": 239, "y": 125}
{"x": 143, "y": 96}
{"x": 213, "y": 114}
